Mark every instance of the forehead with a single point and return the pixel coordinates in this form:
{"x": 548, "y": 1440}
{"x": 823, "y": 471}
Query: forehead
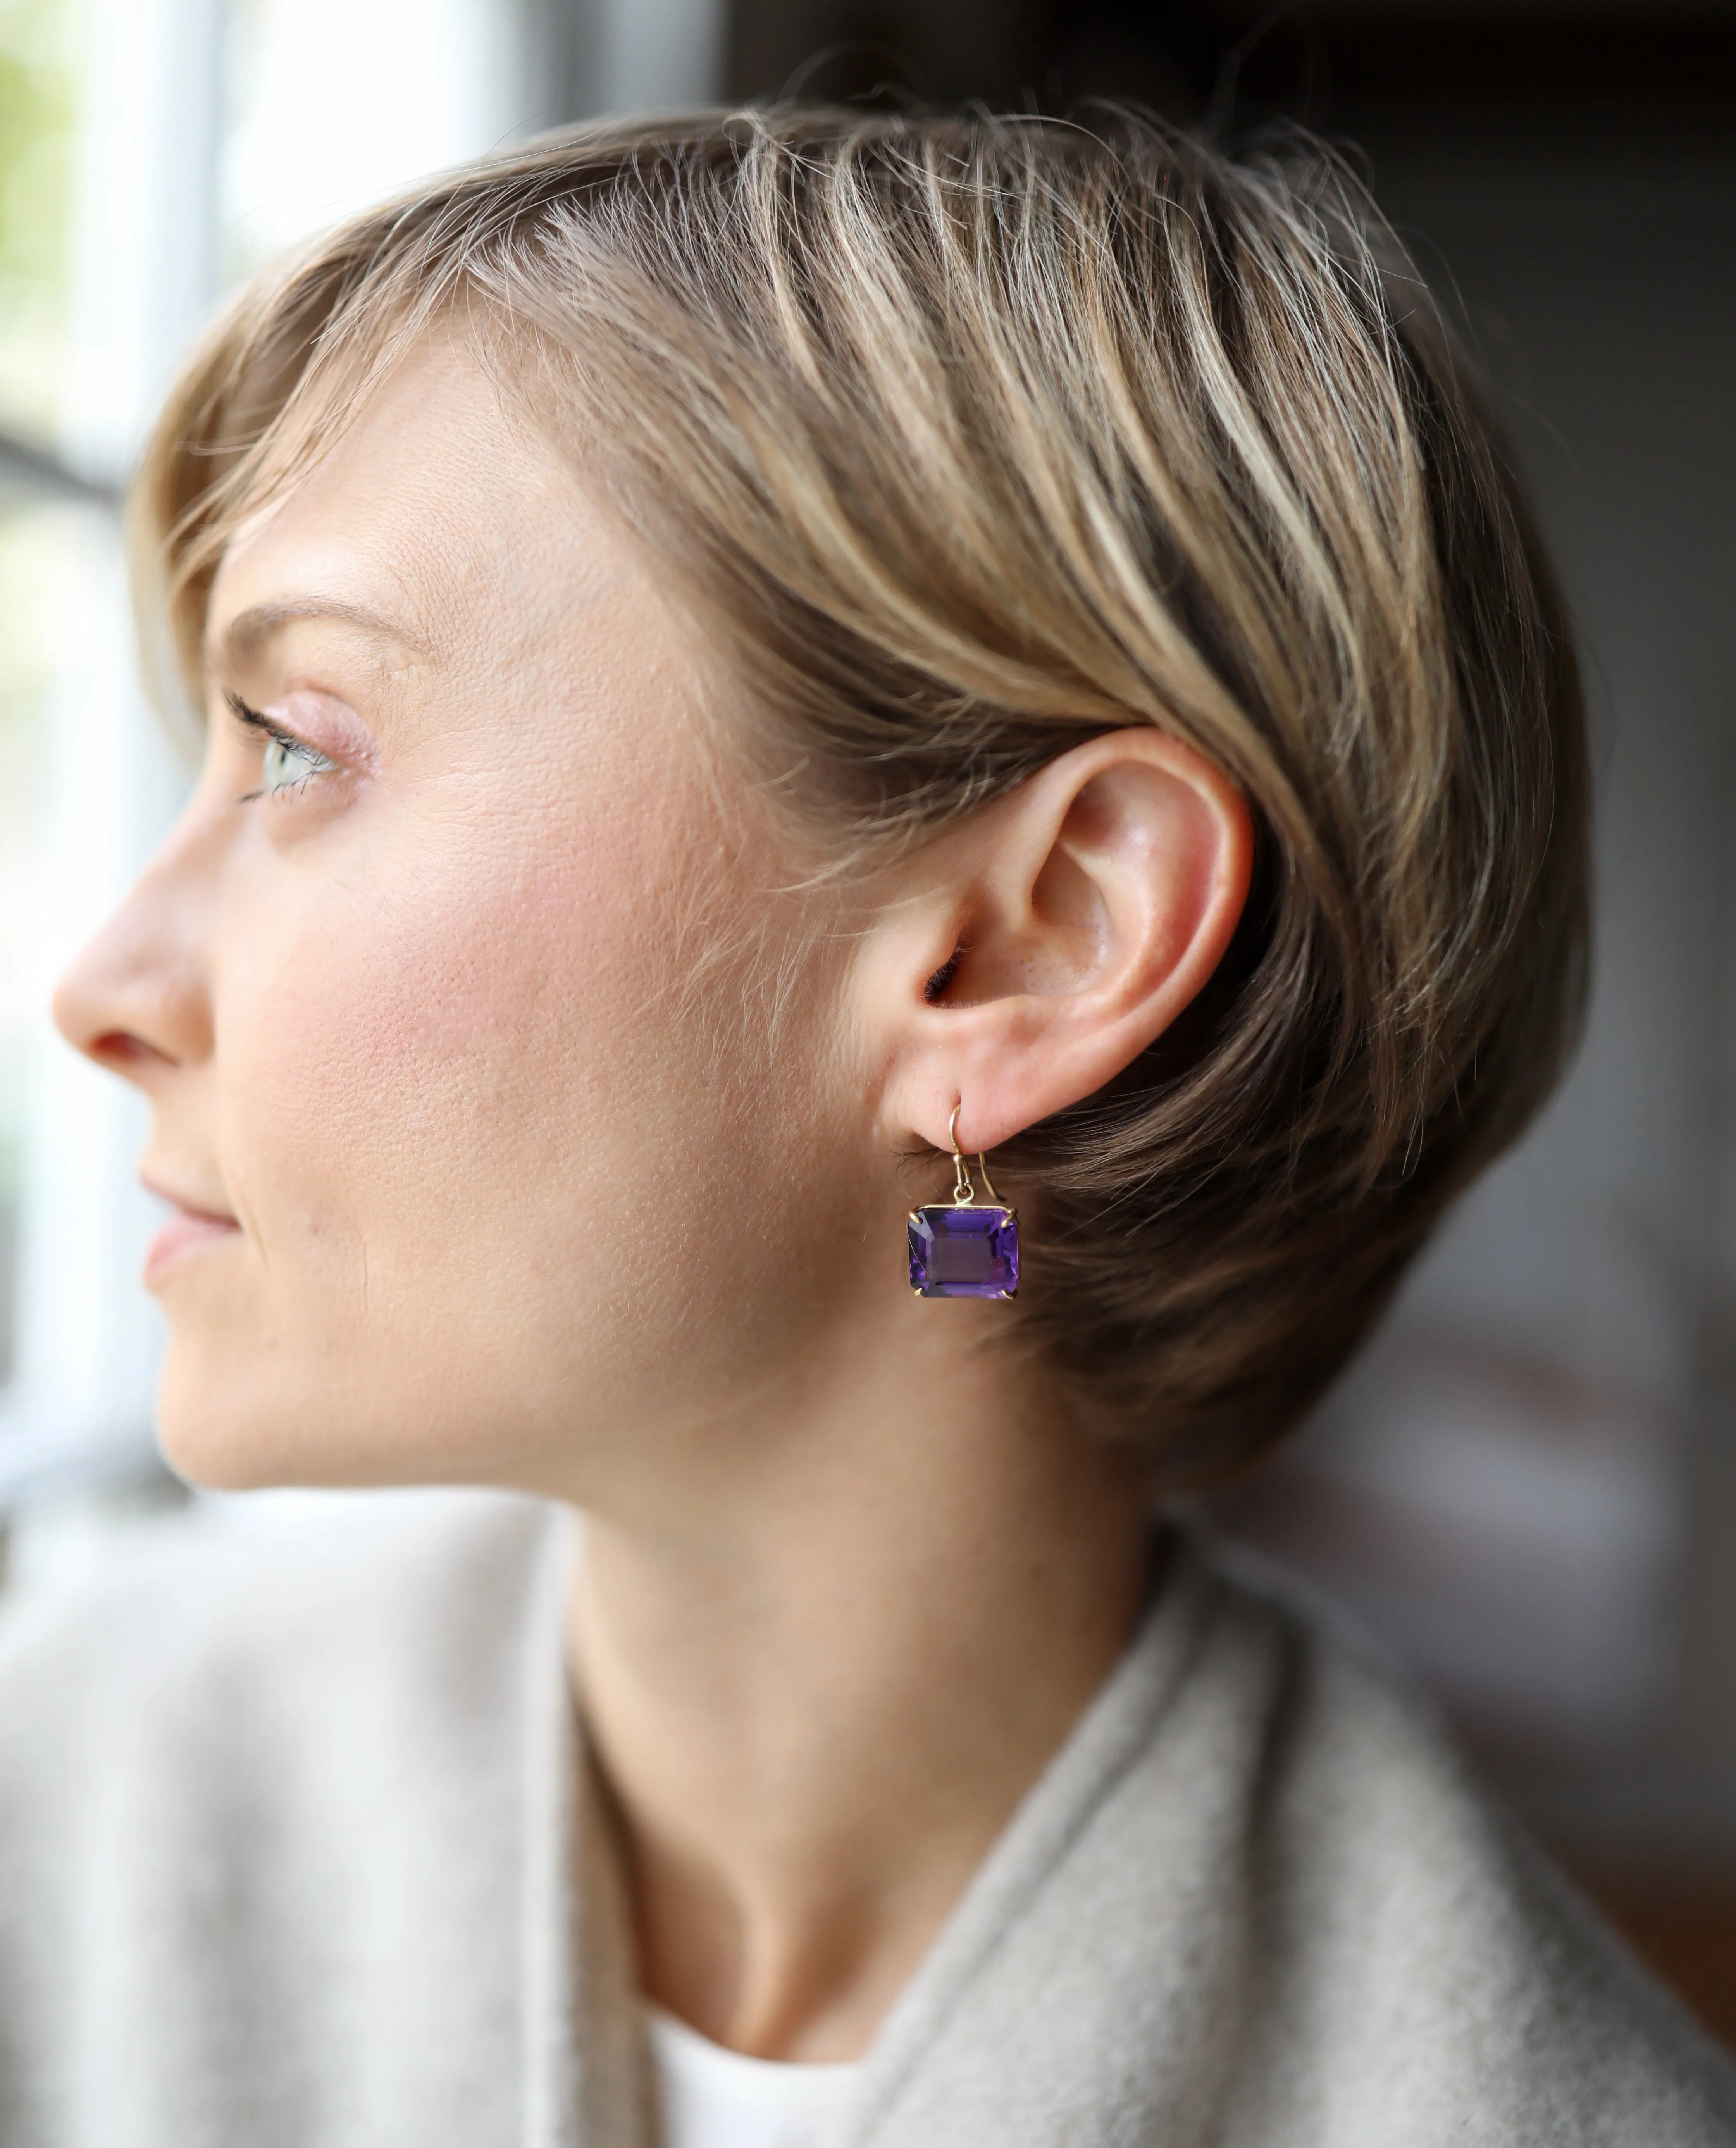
{"x": 436, "y": 509}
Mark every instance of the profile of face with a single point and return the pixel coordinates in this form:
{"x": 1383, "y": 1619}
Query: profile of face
{"x": 440, "y": 990}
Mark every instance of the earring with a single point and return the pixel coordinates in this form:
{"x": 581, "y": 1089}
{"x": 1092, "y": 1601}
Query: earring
{"x": 964, "y": 1249}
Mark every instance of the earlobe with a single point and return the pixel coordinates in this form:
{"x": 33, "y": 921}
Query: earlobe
{"x": 1075, "y": 920}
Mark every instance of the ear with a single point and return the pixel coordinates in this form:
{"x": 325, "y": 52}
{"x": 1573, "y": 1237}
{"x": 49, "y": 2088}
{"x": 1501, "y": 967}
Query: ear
{"x": 1050, "y": 940}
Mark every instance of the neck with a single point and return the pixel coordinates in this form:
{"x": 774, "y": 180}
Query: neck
{"x": 822, "y": 1666}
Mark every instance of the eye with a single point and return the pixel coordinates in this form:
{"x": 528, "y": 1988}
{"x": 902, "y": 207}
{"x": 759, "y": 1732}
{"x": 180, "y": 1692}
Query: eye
{"x": 289, "y": 763}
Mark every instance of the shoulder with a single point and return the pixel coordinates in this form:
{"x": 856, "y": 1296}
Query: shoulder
{"x": 1416, "y": 1947}
{"x": 309, "y": 1591}
{"x": 226, "y": 1660}
{"x": 259, "y": 1797}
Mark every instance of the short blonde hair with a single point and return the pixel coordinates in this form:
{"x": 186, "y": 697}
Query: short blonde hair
{"x": 981, "y": 435}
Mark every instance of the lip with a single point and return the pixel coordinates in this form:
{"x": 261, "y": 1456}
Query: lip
{"x": 187, "y": 1231}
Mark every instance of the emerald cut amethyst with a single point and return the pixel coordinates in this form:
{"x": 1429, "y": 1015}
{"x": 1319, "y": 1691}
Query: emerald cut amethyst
{"x": 965, "y": 1252}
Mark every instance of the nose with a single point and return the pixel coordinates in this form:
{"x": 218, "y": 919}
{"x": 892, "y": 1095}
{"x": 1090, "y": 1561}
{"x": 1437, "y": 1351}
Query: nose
{"x": 136, "y": 998}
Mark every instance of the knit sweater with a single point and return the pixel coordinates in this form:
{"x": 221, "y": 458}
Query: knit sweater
{"x": 300, "y": 1848}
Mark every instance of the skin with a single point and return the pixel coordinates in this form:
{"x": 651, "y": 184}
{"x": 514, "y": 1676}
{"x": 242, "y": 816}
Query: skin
{"x": 483, "y": 1170}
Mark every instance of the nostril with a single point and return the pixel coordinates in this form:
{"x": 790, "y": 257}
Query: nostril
{"x": 122, "y": 1052}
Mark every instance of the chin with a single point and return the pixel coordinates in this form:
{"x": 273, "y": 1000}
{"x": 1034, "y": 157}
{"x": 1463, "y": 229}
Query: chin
{"x": 217, "y": 1432}
{"x": 243, "y": 1423}
{"x": 220, "y": 1451}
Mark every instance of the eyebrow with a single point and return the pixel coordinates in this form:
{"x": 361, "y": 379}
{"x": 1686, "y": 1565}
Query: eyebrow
{"x": 248, "y": 632}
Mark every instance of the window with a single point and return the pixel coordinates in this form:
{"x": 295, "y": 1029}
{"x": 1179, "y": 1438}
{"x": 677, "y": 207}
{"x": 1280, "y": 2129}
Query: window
{"x": 151, "y": 153}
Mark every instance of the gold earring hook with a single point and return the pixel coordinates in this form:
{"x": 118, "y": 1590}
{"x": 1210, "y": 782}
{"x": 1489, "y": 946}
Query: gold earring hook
{"x": 963, "y": 1191}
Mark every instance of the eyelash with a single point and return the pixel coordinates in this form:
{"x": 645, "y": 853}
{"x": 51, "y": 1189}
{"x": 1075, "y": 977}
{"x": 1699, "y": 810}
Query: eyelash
{"x": 254, "y": 721}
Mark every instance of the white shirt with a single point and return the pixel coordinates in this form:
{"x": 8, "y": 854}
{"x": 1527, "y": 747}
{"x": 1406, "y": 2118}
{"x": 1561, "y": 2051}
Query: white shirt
{"x": 707, "y": 2097}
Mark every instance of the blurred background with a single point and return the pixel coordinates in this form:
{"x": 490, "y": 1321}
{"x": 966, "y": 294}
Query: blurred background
{"x": 1528, "y": 1491}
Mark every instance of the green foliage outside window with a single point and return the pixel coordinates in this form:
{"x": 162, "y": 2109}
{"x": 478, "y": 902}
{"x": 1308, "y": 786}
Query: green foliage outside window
{"x": 37, "y": 111}
{"x": 38, "y": 108}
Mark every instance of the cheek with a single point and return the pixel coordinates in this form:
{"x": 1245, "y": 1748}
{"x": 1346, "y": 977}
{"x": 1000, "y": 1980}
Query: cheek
{"x": 504, "y": 1160}
{"x": 408, "y": 1059}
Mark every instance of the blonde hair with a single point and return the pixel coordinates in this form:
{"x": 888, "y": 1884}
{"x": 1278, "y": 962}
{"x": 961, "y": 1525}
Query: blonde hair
{"x": 980, "y": 435}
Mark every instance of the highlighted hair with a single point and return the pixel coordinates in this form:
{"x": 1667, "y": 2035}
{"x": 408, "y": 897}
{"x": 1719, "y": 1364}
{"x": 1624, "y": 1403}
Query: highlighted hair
{"x": 976, "y": 436}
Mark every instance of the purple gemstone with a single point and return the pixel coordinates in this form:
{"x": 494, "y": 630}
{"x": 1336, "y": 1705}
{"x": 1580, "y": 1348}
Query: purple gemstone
{"x": 965, "y": 1252}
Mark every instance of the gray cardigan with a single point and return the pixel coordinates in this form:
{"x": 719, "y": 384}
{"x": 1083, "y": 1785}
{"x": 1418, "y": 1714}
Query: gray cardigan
{"x": 299, "y": 1850}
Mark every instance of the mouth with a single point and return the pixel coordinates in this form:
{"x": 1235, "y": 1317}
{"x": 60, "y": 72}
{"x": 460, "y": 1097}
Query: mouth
{"x": 187, "y": 1231}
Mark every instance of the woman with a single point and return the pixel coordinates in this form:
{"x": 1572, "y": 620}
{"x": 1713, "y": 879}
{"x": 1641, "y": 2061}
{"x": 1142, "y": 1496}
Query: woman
{"x": 795, "y": 706}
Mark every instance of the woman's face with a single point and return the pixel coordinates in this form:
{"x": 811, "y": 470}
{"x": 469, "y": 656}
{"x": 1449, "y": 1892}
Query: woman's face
{"x": 471, "y": 1119}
